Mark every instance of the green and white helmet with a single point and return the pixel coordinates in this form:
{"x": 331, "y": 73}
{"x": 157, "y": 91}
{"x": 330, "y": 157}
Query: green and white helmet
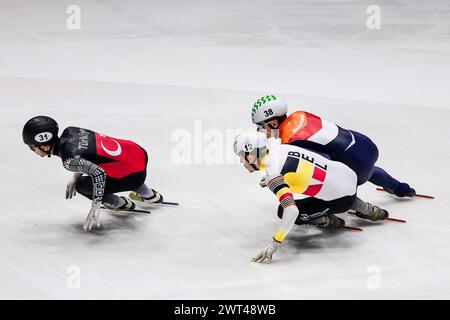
{"x": 268, "y": 107}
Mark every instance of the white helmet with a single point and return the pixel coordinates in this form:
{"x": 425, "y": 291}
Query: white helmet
{"x": 250, "y": 142}
{"x": 268, "y": 107}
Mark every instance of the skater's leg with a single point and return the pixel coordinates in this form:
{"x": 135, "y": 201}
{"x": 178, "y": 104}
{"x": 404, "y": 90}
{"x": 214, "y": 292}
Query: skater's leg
{"x": 84, "y": 186}
{"x": 320, "y": 212}
{"x": 381, "y": 178}
{"x": 109, "y": 200}
{"x": 361, "y": 157}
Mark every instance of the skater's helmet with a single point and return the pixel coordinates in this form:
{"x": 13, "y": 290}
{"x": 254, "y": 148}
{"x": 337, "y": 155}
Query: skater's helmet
{"x": 39, "y": 131}
{"x": 250, "y": 142}
{"x": 268, "y": 107}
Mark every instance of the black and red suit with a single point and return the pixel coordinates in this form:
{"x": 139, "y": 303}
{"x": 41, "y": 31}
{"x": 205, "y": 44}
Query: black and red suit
{"x": 112, "y": 165}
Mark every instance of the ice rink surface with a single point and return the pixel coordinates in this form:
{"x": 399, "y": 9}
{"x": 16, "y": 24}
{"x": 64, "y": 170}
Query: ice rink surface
{"x": 147, "y": 70}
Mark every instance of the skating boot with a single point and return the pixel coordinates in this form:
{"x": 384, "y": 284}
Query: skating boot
{"x": 403, "y": 190}
{"x": 332, "y": 222}
{"x": 156, "y": 198}
{"x": 128, "y": 206}
{"x": 373, "y": 213}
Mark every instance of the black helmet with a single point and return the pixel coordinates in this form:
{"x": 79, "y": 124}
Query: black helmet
{"x": 40, "y": 130}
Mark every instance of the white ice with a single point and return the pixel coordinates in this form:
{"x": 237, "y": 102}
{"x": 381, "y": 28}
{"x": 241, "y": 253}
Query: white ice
{"x": 142, "y": 69}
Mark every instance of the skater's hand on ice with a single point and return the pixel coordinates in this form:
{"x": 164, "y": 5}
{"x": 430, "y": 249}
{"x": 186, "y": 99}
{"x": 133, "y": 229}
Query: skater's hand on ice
{"x": 71, "y": 186}
{"x": 264, "y": 181}
{"x": 93, "y": 216}
{"x": 267, "y": 253}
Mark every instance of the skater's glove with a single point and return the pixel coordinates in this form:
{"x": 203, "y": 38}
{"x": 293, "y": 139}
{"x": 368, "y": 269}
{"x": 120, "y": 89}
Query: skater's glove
{"x": 71, "y": 190}
{"x": 93, "y": 218}
{"x": 263, "y": 182}
{"x": 267, "y": 253}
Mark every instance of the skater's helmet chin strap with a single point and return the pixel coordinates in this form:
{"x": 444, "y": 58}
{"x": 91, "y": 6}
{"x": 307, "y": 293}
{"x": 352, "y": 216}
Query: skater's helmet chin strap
{"x": 246, "y": 154}
{"x": 258, "y": 155}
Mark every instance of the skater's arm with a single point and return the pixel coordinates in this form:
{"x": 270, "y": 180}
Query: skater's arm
{"x": 98, "y": 175}
{"x": 290, "y": 211}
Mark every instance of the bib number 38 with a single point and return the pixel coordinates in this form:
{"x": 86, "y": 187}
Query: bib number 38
{"x": 268, "y": 113}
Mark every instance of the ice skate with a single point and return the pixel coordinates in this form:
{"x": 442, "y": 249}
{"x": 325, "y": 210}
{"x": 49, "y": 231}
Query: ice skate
{"x": 156, "y": 198}
{"x": 332, "y": 222}
{"x": 373, "y": 213}
{"x": 403, "y": 190}
{"x": 128, "y": 206}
